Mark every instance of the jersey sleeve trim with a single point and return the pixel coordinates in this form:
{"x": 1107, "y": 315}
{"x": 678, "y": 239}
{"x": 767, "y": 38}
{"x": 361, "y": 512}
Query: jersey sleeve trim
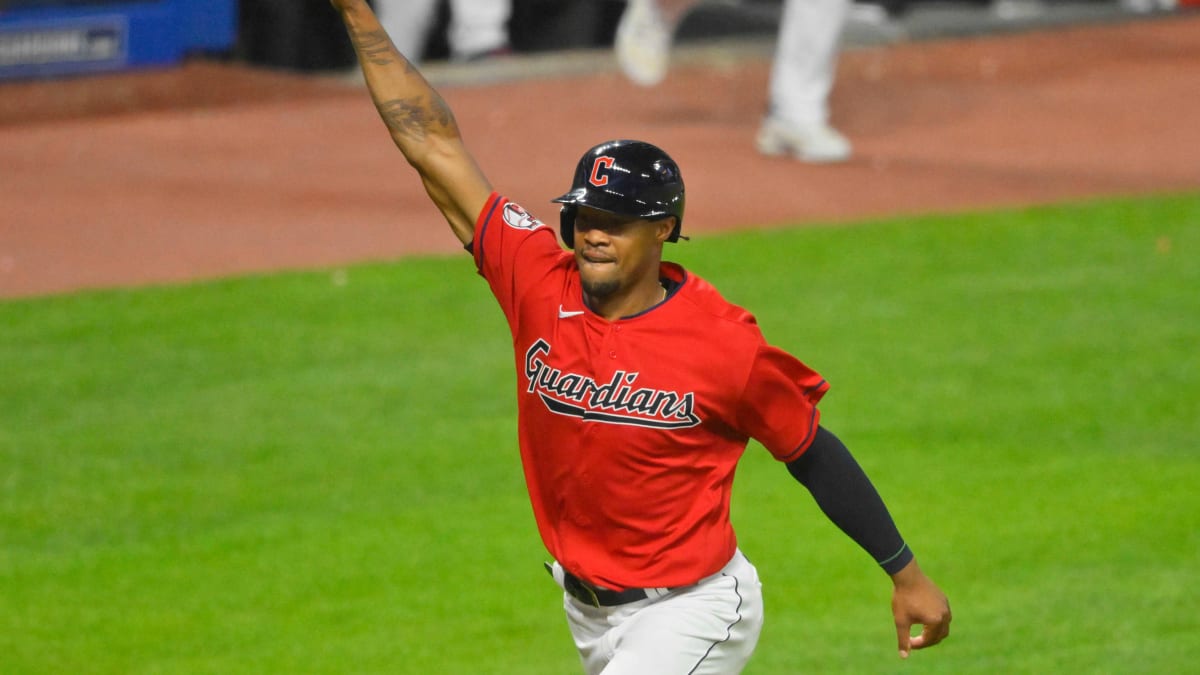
{"x": 818, "y": 387}
{"x": 814, "y": 420}
{"x": 481, "y": 225}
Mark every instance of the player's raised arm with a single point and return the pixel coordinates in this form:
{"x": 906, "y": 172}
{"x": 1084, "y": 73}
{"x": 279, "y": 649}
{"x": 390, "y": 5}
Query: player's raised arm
{"x": 420, "y": 122}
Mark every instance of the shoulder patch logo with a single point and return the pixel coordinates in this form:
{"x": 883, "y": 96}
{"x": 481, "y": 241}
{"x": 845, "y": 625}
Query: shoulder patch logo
{"x": 515, "y": 216}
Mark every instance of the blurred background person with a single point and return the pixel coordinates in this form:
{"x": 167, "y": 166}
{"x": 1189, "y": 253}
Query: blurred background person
{"x": 478, "y": 28}
{"x": 797, "y": 120}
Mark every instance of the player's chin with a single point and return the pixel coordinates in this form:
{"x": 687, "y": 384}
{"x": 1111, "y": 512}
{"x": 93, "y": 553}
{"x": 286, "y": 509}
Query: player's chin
{"x": 599, "y": 287}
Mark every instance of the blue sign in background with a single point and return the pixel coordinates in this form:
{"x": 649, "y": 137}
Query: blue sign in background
{"x": 59, "y": 37}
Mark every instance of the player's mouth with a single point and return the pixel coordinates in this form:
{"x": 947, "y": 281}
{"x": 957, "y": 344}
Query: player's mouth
{"x": 596, "y": 259}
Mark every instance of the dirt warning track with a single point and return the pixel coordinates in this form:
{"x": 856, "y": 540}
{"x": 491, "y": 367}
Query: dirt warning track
{"x": 211, "y": 169}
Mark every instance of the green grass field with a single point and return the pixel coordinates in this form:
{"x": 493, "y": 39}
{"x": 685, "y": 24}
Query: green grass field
{"x": 291, "y": 474}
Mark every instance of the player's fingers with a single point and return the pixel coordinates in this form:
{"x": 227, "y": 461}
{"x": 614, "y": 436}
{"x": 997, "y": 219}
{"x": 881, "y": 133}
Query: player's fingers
{"x": 931, "y": 634}
{"x": 904, "y": 637}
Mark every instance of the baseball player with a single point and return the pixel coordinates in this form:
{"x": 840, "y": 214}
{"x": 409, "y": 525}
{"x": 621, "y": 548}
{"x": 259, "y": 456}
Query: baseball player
{"x": 638, "y": 387}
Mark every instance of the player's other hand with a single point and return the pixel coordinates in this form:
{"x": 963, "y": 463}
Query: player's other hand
{"x": 916, "y": 600}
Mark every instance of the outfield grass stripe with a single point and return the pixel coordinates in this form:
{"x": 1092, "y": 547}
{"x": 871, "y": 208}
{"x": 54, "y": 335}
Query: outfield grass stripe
{"x": 317, "y": 472}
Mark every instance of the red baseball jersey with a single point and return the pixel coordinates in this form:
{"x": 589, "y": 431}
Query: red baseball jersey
{"x": 630, "y": 430}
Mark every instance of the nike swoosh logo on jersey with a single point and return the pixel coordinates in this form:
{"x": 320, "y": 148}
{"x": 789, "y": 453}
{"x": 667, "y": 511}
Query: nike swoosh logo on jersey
{"x": 564, "y": 314}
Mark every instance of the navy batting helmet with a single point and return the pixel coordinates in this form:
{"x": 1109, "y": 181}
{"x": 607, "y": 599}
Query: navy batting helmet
{"x": 628, "y": 178}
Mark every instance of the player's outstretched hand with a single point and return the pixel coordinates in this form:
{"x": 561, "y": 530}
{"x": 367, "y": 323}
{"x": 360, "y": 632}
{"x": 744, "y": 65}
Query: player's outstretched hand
{"x": 916, "y": 600}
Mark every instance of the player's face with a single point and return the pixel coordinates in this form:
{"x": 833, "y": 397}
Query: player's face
{"x": 615, "y": 253}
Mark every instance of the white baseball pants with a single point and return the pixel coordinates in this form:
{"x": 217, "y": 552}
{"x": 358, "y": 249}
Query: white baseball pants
{"x": 805, "y": 63}
{"x": 710, "y": 628}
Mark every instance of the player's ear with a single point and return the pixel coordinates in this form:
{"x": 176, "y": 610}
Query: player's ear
{"x": 663, "y": 228}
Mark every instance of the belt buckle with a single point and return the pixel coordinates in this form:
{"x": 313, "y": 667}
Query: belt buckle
{"x": 580, "y": 583}
{"x": 592, "y": 593}
{"x": 574, "y": 584}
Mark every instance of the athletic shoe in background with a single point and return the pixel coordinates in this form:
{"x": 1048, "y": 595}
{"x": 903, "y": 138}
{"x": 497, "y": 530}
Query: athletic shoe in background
{"x": 643, "y": 42}
{"x": 817, "y": 143}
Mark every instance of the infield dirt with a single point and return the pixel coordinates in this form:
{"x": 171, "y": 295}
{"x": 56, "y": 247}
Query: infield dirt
{"x": 213, "y": 169}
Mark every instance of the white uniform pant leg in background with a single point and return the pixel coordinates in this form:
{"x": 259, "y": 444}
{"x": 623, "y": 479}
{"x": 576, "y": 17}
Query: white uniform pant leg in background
{"x": 478, "y": 26}
{"x": 805, "y": 62}
{"x": 408, "y": 23}
{"x": 707, "y": 629}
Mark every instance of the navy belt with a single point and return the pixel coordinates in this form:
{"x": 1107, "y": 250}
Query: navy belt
{"x": 594, "y": 595}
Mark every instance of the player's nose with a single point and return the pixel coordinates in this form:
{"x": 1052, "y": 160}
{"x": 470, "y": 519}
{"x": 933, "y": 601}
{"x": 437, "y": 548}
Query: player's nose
{"x": 594, "y": 236}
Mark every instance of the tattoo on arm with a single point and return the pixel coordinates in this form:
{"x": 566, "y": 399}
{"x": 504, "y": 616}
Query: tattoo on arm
{"x": 375, "y": 46}
{"x": 413, "y": 117}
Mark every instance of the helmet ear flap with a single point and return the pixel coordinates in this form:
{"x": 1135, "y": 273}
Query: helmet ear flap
{"x": 566, "y": 225}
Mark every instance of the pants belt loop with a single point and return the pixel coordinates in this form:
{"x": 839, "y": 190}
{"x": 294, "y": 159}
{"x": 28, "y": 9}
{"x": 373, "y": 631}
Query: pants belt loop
{"x": 656, "y": 593}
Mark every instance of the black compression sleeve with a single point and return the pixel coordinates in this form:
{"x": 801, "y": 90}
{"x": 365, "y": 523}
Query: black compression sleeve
{"x": 850, "y": 501}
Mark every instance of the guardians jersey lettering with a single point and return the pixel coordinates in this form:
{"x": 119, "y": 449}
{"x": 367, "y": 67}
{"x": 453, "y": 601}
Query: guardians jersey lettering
{"x": 615, "y": 402}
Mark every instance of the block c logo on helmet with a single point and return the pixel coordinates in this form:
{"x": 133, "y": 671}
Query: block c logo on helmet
{"x": 603, "y": 162}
